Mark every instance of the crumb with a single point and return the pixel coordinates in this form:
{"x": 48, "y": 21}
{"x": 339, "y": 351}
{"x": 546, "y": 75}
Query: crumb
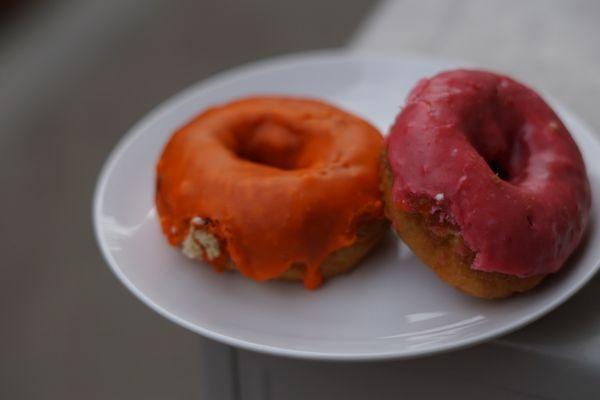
{"x": 439, "y": 196}
{"x": 189, "y": 247}
{"x": 197, "y": 221}
{"x": 199, "y": 242}
{"x": 209, "y": 243}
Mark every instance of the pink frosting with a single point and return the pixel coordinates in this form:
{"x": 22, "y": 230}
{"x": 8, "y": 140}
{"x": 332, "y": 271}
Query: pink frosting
{"x": 500, "y": 165}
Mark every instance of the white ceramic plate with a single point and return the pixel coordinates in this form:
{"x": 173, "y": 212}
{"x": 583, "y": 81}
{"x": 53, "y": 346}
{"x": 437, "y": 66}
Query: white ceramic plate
{"x": 390, "y": 307}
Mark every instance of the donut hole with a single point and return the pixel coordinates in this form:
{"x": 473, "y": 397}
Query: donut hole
{"x": 499, "y": 170}
{"x": 271, "y": 143}
{"x": 285, "y": 145}
{"x": 496, "y": 132}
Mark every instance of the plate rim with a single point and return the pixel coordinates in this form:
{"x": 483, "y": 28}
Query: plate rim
{"x": 278, "y": 62}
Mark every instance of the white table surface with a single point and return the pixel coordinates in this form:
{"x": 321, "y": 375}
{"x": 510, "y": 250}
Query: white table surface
{"x": 554, "y": 45}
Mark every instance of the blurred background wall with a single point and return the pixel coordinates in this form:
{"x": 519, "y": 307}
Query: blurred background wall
{"x": 74, "y": 76}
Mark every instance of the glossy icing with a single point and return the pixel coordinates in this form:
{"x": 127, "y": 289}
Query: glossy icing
{"x": 276, "y": 180}
{"x": 499, "y": 165}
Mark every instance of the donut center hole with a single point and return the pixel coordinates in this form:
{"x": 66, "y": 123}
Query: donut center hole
{"x": 270, "y": 143}
{"x": 499, "y": 170}
{"x": 496, "y": 132}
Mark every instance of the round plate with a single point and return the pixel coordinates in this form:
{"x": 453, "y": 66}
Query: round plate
{"x": 392, "y": 306}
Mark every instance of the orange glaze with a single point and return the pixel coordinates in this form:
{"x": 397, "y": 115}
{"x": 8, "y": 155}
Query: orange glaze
{"x": 280, "y": 180}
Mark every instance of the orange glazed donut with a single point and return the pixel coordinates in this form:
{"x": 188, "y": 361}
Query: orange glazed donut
{"x": 273, "y": 187}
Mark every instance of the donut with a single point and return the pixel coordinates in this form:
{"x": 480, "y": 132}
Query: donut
{"x": 484, "y": 182}
{"x": 273, "y": 187}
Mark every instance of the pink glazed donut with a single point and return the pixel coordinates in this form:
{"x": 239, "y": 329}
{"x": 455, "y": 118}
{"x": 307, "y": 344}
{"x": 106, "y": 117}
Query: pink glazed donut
{"x": 484, "y": 182}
